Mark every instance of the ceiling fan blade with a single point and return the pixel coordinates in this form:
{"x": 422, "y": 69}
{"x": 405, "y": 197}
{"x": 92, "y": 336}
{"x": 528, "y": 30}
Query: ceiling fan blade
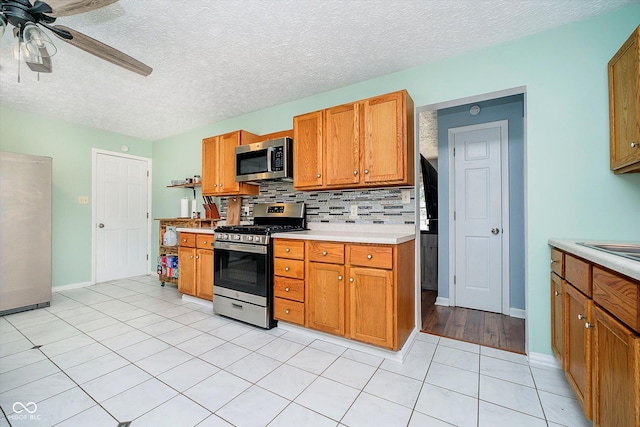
{"x": 104, "y": 51}
{"x": 73, "y": 7}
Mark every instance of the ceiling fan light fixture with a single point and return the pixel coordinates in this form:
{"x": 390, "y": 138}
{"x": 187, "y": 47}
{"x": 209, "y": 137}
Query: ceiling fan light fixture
{"x": 37, "y": 41}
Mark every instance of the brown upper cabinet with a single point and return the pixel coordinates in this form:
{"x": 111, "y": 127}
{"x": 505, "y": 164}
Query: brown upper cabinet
{"x": 368, "y": 143}
{"x": 218, "y": 165}
{"x": 624, "y": 106}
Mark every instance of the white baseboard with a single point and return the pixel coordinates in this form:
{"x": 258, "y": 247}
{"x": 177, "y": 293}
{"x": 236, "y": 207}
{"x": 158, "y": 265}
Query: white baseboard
{"x": 442, "y": 301}
{"x": 397, "y": 356}
{"x": 202, "y": 302}
{"x": 517, "y": 312}
{"x": 544, "y": 361}
{"x": 71, "y": 286}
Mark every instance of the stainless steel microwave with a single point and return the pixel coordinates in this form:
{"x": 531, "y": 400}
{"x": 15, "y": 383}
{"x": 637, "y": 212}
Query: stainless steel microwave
{"x": 264, "y": 160}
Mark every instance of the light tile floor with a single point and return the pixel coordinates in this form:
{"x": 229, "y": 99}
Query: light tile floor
{"x": 131, "y": 350}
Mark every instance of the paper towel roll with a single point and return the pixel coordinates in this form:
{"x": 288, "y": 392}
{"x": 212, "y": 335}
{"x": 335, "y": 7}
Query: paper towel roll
{"x": 194, "y": 208}
{"x": 184, "y": 208}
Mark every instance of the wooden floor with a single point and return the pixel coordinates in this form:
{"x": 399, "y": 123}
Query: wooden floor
{"x": 479, "y": 327}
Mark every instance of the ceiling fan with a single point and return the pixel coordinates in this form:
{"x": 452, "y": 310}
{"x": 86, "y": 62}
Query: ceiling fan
{"x": 36, "y": 48}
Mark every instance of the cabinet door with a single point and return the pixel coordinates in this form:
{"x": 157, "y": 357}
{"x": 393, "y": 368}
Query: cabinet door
{"x": 210, "y": 166}
{"x": 307, "y": 150}
{"x": 624, "y": 106}
{"x": 577, "y": 347}
{"x": 371, "y": 306}
{"x": 556, "y": 316}
{"x": 187, "y": 270}
{"x": 616, "y": 373}
{"x": 342, "y": 145}
{"x": 325, "y": 298}
{"x": 385, "y": 141}
{"x": 227, "y": 169}
{"x": 204, "y": 266}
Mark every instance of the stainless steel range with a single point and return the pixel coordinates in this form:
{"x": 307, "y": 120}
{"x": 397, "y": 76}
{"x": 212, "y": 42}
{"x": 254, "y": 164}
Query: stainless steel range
{"x": 243, "y": 263}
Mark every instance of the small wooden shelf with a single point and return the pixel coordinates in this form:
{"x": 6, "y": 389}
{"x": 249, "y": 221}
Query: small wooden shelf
{"x": 192, "y": 185}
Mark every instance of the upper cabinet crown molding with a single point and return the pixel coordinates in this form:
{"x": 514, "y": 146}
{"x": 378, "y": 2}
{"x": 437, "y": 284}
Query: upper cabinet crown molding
{"x": 624, "y": 106}
{"x": 367, "y": 143}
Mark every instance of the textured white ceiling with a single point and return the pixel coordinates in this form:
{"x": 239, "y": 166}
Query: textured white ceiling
{"x": 218, "y": 59}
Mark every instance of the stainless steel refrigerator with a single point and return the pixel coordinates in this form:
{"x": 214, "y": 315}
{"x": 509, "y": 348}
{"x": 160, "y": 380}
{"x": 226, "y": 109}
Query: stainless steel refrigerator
{"x": 25, "y": 232}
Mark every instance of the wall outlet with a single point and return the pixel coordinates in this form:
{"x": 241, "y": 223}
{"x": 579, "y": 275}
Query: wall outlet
{"x": 246, "y": 210}
{"x": 83, "y": 200}
{"x": 354, "y": 211}
{"x": 406, "y": 197}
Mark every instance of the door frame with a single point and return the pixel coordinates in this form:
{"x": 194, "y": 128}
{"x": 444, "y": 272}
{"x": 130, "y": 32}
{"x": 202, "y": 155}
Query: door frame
{"x": 94, "y": 205}
{"x": 504, "y": 187}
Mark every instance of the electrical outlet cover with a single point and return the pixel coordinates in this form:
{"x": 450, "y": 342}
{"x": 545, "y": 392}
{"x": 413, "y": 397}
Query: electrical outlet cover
{"x": 354, "y": 211}
{"x": 406, "y": 197}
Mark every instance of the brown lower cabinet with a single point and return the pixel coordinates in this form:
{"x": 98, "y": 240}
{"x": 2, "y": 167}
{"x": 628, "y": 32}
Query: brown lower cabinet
{"x": 600, "y": 341}
{"x": 616, "y": 372}
{"x": 577, "y": 347}
{"x": 364, "y": 292}
{"x": 195, "y": 261}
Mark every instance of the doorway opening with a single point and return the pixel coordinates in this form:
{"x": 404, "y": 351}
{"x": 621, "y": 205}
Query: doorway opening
{"x": 484, "y": 253}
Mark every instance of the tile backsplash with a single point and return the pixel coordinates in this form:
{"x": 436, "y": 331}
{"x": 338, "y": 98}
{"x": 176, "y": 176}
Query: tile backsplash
{"x": 375, "y": 206}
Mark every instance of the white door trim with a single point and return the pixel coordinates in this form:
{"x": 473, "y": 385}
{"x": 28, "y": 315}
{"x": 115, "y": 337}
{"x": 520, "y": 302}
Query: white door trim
{"x": 504, "y": 157}
{"x": 94, "y": 191}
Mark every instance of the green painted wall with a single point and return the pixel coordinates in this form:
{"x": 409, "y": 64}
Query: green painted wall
{"x": 570, "y": 191}
{"x": 70, "y": 147}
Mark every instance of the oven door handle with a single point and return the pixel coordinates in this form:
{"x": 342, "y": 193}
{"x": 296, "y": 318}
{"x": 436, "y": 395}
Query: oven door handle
{"x": 240, "y": 247}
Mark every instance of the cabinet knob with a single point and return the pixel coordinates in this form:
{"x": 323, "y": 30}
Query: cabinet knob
{"x": 351, "y": 279}
{"x": 204, "y": 242}
{"x": 286, "y": 269}
{"x": 557, "y": 293}
{"x": 366, "y": 171}
{"x": 339, "y": 277}
{"x": 318, "y": 176}
{"x": 191, "y": 257}
{"x": 324, "y": 253}
{"x": 587, "y": 325}
{"x": 215, "y": 185}
{"x": 184, "y": 240}
{"x": 220, "y": 185}
{"x": 369, "y": 256}
{"x": 287, "y": 311}
{"x": 286, "y": 250}
{"x": 197, "y": 257}
{"x": 355, "y": 172}
{"x": 286, "y": 289}
{"x": 580, "y": 317}
{"x": 634, "y": 144}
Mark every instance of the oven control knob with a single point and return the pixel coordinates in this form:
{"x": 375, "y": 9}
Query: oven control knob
{"x": 236, "y": 237}
{"x": 249, "y": 238}
{"x": 226, "y": 236}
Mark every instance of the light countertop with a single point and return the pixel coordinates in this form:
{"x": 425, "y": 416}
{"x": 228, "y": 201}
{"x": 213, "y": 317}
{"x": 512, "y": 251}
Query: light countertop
{"x": 622, "y": 265}
{"x": 196, "y": 230}
{"x": 353, "y": 233}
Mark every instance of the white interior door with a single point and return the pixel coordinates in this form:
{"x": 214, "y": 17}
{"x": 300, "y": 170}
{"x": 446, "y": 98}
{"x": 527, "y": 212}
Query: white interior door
{"x": 122, "y": 219}
{"x": 478, "y": 217}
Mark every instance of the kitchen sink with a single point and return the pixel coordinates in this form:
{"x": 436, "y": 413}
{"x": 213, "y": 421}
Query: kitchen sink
{"x": 627, "y": 250}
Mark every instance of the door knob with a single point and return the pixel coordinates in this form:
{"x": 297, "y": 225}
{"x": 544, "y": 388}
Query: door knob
{"x": 495, "y": 230}
{"x": 101, "y": 225}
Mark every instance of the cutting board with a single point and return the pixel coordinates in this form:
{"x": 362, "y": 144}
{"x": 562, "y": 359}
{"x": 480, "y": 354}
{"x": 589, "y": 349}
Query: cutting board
{"x": 234, "y": 206}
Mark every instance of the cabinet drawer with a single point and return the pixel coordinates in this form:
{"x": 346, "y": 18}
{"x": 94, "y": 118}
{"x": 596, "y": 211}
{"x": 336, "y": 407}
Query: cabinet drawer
{"x": 293, "y": 249}
{"x": 204, "y": 241}
{"x": 557, "y": 262}
{"x": 289, "y": 311}
{"x": 371, "y": 256}
{"x": 187, "y": 239}
{"x": 284, "y": 287}
{"x": 288, "y": 268}
{"x": 577, "y": 272}
{"x": 332, "y": 253}
{"x": 617, "y": 295}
